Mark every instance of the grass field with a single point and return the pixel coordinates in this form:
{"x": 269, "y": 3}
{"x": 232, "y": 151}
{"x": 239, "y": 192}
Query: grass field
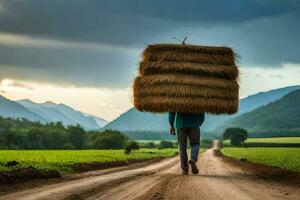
{"x": 62, "y": 159}
{"x": 286, "y": 140}
{"x": 286, "y": 158}
{"x": 275, "y": 140}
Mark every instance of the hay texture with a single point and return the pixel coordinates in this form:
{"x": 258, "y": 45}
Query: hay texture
{"x": 187, "y": 79}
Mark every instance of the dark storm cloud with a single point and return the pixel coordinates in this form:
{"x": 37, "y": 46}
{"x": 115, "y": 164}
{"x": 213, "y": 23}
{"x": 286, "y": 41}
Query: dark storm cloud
{"x": 264, "y": 33}
{"x": 84, "y": 68}
{"x": 129, "y": 22}
{"x": 95, "y": 21}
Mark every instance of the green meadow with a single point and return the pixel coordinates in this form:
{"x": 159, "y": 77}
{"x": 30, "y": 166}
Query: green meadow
{"x": 276, "y": 140}
{"x": 286, "y": 158}
{"x": 62, "y": 160}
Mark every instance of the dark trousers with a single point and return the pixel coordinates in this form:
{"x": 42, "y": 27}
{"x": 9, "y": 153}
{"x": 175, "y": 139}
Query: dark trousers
{"x": 194, "y": 136}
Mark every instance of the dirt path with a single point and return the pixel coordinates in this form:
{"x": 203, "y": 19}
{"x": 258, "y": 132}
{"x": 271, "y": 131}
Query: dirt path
{"x": 217, "y": 180}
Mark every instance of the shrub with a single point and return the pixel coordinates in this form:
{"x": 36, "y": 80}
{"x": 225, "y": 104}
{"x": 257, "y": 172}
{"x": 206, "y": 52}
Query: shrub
{"x": 132, "y": 145}
{"x": 109, "y": 139}
{"x": 166, "y": 144}
{"x": 149, "y": 145}
{"x": 68, "y": 145}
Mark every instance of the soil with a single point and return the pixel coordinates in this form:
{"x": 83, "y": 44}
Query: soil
{"x": 28, "y": 174}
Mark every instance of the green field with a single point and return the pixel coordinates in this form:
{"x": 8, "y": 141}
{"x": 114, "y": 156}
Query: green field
{"x": 275, "y": 140}
{"x": 286, "y": 158}
{"x": 63, "y": 159}
{"x": 286, "y": 140}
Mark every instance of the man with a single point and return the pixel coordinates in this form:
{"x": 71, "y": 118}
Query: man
{"x": 187, "y": 126}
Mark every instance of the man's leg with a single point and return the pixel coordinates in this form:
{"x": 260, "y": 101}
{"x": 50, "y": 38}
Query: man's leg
{"x": 194, "y": 137}
{"x": 182, "y": 142}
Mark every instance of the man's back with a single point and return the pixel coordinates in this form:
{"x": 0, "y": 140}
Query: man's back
{"x": 184, "y": 120}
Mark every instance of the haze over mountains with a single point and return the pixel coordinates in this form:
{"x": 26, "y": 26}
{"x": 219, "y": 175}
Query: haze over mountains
{"x": 134, "y": 120}
{"x": 49, "y": 112}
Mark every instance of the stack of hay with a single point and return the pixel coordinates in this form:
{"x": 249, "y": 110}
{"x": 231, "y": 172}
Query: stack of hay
{"x": 187, "y": 79}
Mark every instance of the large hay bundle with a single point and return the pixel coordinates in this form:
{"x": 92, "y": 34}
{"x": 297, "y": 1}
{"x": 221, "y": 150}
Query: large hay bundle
{"x": 188, "y": 79}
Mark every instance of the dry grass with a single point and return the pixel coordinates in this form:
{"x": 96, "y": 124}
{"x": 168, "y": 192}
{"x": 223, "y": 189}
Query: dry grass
{"x": 186, "y": 104}
{"x": 164, "y": 67}
{"x": 177, "y": 90}
{"x": 188, "y": 48}
{"x": 190, "y": 57}
{"x": 183, "y": 79}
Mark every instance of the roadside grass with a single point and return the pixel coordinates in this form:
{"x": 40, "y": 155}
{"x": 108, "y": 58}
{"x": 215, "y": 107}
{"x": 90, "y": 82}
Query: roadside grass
{"x": 270, "y": 140}
{"x": 62, "y": 160}
{"x": 275, "y": 140}
{"x": 286, "y": 158}
{"x": 202, "y": 150}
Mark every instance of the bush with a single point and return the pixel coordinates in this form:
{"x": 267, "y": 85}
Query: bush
{"x": 149, "y": 145}
{"x": 132, "y": 145}
{"x": 109, "y": 139}
{"x": 68, "y": 145}
{"x": 166, "y": 144}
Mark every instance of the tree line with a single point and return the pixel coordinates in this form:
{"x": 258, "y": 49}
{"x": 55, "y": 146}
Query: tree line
{"x": 24, "y": 134}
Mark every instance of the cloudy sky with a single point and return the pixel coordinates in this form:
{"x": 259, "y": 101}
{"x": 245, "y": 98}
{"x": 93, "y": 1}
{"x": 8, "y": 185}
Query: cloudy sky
{"x": 85, "y": 53}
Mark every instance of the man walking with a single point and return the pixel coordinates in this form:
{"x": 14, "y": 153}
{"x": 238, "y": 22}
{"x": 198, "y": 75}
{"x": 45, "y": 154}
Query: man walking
{"x": 187, "y": 126}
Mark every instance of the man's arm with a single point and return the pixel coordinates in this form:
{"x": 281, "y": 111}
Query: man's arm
{"x": 171, "y": 116}
{"x": 202, "y": 117}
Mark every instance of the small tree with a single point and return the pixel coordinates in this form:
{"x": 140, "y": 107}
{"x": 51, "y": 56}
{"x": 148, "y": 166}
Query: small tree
{"x": 132, "y": 145}
{"x": 236, "y": 135}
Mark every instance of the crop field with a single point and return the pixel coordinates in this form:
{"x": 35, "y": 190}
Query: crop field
{"x": 64, "y": 159}
{"x": 286, "y": 158}
{"x": 279, "y": 140}
{"x": 275, "y": 140}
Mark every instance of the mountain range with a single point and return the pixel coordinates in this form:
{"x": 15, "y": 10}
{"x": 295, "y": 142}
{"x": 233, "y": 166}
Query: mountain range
{"x": 49, "y": 112}
{"x": 279, "y": 117}
{"x": 133, "y": 120}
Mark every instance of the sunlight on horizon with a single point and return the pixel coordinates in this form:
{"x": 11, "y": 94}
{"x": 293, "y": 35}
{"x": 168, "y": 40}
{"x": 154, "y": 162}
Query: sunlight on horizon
{"x": 101, "y": 102}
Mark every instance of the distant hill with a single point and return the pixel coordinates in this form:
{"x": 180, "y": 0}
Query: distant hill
{"x": 279, "y": 118}
{"x": 48, "y": 112}
{"x": 68, "y": 116}
{"x": 99, "y": 121}
{"x": 12, "y": 109}
{"x": 133, "y": 120}
{"x": 51, "y": 114}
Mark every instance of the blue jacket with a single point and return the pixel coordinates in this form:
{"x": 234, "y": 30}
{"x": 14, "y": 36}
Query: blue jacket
{"x": 182, "y": 120}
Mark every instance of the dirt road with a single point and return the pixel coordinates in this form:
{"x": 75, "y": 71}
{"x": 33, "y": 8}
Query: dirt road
{"x": 217, "y": 180}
